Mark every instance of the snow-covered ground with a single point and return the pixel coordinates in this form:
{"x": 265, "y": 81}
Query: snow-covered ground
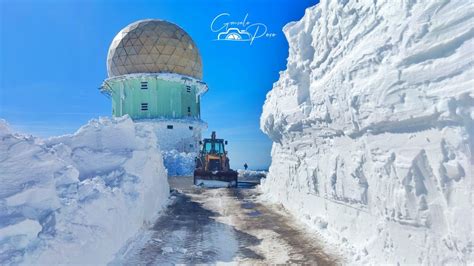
{"x": 372, "y": 124}
{"x": 251, "y": 175}
{"x": 78, "y": 198}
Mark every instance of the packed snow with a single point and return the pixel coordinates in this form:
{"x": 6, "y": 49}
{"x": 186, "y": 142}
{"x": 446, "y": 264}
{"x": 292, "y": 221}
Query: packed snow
{"x": 372, "y": 129}
{"x": 179, "y": 163}
{"x": 251, "y": 175}
{"x": 76, "y": 199}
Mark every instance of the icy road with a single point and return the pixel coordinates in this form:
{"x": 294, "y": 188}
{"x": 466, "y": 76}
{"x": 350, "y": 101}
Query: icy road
{"x": 222, "y": 225}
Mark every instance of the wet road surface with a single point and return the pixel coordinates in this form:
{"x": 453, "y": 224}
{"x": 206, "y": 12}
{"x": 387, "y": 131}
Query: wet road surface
{"x": 219, "y": 226}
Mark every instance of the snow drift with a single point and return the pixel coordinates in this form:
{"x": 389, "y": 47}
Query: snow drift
{"x": 372, "y": 124}
{"x": 179, "y": 163}
{"x": 251, "y": 175}
{"x": 78, "y": 198}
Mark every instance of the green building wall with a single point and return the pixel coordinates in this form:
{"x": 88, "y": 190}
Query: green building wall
{"x": 162, "y": 98}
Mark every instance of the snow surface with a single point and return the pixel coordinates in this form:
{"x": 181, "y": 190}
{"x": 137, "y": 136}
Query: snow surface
{"x": 251, "y": 175}
{"x": 372, "y": 124}
{"x": 78, "y": 198}
{"x": 179, "y": 163}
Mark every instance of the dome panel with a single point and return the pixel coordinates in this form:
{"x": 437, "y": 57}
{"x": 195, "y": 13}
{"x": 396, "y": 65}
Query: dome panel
{"x": 153, "y": 46}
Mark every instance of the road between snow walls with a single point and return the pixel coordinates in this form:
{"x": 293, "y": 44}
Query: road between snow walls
{"x": 76, "y": 199}
{"x": 222, "y": 226}
{"x": 372, "y": 129}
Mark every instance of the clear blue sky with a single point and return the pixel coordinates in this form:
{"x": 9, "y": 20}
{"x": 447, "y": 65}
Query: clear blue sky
{"x": 53, "y": 59}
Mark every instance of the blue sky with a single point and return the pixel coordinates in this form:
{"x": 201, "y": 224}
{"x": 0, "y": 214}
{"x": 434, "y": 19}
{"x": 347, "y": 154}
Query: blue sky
{"x": 53, "y": 59}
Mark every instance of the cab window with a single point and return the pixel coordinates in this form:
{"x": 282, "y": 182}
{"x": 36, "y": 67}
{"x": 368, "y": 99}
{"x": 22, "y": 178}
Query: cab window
{"x": 216, "y": 148}
{"x": 207, "y": 147}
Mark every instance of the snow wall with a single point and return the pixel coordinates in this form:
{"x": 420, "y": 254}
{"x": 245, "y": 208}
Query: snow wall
{"x": 76, "y": 199}
{"x": 372, "y": 124}
{"x": 179, "y": 163}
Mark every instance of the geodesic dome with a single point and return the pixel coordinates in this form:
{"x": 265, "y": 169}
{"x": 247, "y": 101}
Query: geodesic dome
{"x": 153, "y": 46}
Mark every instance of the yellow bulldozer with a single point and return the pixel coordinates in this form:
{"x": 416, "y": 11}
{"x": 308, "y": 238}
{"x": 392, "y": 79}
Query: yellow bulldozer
{"x": 212, "y": 165}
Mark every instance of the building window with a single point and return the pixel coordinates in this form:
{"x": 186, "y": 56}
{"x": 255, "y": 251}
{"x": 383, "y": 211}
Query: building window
{"x": 191, "y": 145}
{"x": 188, "y": 88}
{"x": 190, "y": 128}
{"x": 144, "y": 85}
{"x": 144, "y": 106}
{"x": 169, "y": 126}
{"x": 189, "y": 110}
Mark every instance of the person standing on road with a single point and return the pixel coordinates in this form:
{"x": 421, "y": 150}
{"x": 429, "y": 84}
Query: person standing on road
{"x": 246, "y": 166}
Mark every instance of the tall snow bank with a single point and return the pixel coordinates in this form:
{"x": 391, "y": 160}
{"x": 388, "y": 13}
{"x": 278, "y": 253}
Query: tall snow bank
{"x": 372, "y": 124}
{"x": 77, "y": 198}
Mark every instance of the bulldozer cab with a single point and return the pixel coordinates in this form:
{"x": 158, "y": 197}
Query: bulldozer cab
{"x": 213, "y": 146}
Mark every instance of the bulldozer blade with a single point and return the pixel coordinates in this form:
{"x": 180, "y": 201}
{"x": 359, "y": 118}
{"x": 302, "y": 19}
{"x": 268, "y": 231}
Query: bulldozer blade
{"x": 215, "y": 179}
